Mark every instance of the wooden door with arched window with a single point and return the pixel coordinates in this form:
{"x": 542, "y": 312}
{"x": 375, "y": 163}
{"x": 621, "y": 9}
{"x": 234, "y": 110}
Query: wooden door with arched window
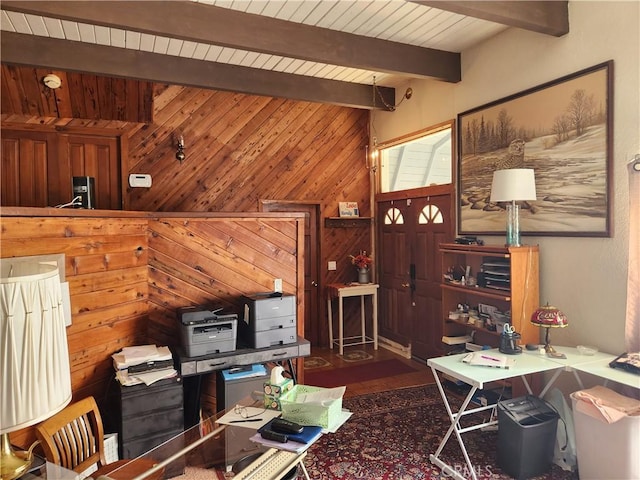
{"x": 411, "y": 225}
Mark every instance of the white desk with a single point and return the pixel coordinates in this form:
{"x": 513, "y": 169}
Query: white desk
{"x": 597, "y": 364}
{"x": 601, "y": 368}
{"x": 340, "y": 291}
{"x": 525, "y": 364}
{"x": 477, "y": 377}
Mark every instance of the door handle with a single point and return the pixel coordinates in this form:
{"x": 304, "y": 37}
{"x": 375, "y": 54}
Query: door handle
{"x": 314, "y": 283}
{"x": 405, "y": 285}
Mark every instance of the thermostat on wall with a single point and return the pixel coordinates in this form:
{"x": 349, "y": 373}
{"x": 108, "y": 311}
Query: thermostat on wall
{"x": 140, "y": 180}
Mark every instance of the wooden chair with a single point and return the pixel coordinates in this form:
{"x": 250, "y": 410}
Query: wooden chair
{"x": 74, "y": 437}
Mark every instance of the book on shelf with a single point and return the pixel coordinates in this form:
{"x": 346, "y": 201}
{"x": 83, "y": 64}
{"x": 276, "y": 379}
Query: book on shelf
{"x": 457, "y": 340}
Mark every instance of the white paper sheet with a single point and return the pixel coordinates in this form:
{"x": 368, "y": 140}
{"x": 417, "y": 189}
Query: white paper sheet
{"x": 322, "y": 396}
{"x": 253, "y": 414}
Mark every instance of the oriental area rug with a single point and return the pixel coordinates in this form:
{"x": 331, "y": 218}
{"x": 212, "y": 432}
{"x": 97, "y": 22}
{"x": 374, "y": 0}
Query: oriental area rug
{"x": 391, "y": 435}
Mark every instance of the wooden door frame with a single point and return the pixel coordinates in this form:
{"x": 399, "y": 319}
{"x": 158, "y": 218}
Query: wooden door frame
{"x": 320, "y": 229}
{"x": 435, "y": 190}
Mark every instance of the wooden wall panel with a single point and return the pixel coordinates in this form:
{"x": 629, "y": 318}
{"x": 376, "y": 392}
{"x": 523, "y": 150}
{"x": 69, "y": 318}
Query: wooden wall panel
{"x": 108, "y": 298}
{"x": 98, "y": 157}
{"x": 215, "y": 262}
{"x": 25, "y": 159}
{"x": 240, "y": 149}
{"x": 128, "y": 275}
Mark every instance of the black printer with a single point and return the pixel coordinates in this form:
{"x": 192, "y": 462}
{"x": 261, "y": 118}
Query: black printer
{"x": 205, "y": 332}
{"x": 269, "y": 320}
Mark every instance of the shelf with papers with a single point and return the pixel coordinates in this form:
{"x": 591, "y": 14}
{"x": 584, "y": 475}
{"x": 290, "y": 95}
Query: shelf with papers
{"x": 514, "y": 271}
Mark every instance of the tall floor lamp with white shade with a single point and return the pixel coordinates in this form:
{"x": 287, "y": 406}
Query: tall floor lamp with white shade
{"x": 34, "y": 356}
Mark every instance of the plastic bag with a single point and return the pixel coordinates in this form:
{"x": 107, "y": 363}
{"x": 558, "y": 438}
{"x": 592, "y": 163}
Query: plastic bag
{"x": 564, "y": 452}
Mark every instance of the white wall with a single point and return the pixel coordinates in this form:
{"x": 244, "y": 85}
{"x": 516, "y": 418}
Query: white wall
{"x": 584, "y": 277}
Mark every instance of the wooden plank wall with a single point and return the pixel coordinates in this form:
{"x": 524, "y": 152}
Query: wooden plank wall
{"x": 241, "y": 149}
{"x": 215, "y": 262}
{"x": 127, "y": 274}
{"x": 106, "y": 267}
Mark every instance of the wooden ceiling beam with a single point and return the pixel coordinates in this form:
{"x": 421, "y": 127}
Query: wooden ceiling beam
{"x": 32, "y": 50}
{"x": 213, "y": 25}
{"x": 548, "y": 17}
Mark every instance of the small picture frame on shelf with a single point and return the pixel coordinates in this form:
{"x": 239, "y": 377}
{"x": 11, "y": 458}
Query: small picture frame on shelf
{"x": 348, "y": 209}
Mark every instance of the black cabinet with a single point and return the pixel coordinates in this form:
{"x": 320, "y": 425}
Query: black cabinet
{"x": 146, "y": 416}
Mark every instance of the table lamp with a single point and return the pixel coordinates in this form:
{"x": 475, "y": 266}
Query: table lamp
{"x": 36, "y": 379}
{"x": 513, "y": 185}
{"x": 549, "y": 317}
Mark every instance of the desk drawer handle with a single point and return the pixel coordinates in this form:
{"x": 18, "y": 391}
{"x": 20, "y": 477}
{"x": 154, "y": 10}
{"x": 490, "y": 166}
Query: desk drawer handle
{"x": 279, "y": 354}
{"x": 217, "y": 364}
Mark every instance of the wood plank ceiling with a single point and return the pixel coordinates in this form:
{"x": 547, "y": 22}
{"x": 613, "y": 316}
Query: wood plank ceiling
{"x": 315, "y": 50}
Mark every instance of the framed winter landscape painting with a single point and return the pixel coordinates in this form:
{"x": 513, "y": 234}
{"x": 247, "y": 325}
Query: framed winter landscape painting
{"x": 563, "y": 131}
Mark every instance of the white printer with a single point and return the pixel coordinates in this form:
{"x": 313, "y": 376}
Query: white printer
{"x": 269, "y": 320}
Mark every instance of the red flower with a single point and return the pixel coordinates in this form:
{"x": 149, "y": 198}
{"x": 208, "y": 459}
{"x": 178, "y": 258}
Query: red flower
{"x": 362, "y": 260}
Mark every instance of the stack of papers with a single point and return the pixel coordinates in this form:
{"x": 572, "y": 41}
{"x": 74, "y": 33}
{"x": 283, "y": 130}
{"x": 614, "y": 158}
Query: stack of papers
{"x": 143, "y": 364}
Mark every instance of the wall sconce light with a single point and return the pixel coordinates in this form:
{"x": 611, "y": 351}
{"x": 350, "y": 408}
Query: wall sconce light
{"x": 180, "y": 155}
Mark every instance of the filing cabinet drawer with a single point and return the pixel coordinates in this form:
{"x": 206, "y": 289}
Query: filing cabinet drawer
{"x": 157, "y": 421}
{"x": 141, "y": 399}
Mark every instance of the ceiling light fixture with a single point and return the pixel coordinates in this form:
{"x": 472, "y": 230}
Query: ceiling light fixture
{"x": 376, "y": 91}
{"x": 52, "y": 81}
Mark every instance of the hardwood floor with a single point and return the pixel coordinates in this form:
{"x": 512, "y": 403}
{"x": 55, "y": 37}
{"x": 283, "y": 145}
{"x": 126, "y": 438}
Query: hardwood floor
{"x": 421, "y": 376}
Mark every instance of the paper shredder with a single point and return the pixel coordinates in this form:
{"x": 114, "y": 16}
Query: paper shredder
{"x": 526, "y": 436}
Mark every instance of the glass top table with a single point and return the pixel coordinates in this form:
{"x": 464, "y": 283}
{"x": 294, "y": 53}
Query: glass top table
{"x": 223, "y": 448}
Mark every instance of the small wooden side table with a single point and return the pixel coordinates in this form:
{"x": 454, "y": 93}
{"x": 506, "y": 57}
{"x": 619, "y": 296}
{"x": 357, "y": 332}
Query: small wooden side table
{"x": 342, "y": 290}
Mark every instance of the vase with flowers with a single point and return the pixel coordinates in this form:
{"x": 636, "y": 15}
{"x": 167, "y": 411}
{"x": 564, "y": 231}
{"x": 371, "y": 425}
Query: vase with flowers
{"x": 362, "y": 262}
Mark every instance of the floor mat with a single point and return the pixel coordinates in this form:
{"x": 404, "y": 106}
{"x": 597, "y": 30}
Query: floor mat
{"x": 315, "y": 362}
{"x": 356, "y": 356}
{"x": 357, "y": 373}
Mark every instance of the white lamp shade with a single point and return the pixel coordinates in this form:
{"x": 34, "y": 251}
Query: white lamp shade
{"x": 36, "y": 379}
{"x": 513, "y": 184}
